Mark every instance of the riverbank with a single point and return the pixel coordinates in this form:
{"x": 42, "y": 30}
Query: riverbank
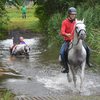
{"x": 26, "y": 33}
{"x": 64, "y": 98}
{"x": 28, "y": 28}
{"x": 8, "y": 96}
{"x": 16, "y": 22}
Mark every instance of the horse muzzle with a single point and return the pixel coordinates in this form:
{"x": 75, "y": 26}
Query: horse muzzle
{"x": 82, "y": 37}
{"x": 82, "y": 34}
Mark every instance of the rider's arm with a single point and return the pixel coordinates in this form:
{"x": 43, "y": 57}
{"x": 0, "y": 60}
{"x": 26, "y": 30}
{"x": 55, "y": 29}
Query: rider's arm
{"x": 63, "y": 29}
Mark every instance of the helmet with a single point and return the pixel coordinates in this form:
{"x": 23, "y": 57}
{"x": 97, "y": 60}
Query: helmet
{"x": 72, "y": 10}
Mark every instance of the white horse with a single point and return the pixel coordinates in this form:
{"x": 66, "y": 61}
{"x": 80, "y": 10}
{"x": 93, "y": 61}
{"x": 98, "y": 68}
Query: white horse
{"x": 77, "y": 53}
{"x": 20, "y": 49}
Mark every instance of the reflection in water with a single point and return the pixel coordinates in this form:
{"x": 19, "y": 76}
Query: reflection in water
{"x": 40, "y": 74}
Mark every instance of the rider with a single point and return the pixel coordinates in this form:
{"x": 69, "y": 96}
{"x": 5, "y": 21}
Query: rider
{"x": 21, "y": 41}
{"x": 67, "y": 30}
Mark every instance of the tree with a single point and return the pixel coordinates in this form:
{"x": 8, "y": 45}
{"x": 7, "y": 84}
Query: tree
{"x": 46, "y": 8}
{"x": 4, "y": 18}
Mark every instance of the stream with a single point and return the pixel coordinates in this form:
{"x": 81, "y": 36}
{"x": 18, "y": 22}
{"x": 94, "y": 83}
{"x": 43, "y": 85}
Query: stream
{"x": 40, "y": 74}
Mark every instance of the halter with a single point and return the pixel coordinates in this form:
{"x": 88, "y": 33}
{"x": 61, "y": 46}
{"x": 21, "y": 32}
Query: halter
{"x": 77, "y": 34}
{"x": 80, "y": 31}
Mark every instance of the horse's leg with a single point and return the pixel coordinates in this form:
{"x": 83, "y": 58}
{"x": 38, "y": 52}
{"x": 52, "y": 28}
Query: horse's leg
{"x": 74, "y": 75}
{"x": 69, "y": 78}
{"x": 82, "y": 75}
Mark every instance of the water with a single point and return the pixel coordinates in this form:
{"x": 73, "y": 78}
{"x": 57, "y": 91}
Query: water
{"x": 40, "y": 75}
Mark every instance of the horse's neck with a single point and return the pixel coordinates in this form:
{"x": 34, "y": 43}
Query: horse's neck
{"x": 77, "y": 44}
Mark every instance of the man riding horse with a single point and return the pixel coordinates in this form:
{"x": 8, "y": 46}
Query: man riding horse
{"x": 20, "y": 49}
{"x": 67, "y": 30}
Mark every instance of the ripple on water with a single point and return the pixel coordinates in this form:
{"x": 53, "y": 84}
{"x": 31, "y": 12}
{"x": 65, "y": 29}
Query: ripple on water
{"x": 59, "y": 82}
{"x": 42, "y": 72}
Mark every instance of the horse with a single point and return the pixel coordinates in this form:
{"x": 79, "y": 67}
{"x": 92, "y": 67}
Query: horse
{"x": 77, "y": 53}
{"x": 20, "y": 49}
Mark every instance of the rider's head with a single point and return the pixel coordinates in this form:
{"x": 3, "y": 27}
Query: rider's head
{"x": 72, "y": 12}
{"x": 21, "y": 38}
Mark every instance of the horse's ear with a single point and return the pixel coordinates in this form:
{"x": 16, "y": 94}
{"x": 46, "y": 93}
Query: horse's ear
{"x": 83, "y": 20}
{"x": 76, "y": 20}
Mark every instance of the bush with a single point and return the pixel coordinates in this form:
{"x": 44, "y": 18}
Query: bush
{"x": 92, "y": 20}
{"x": 3, "y": 20}
{"x": 54, "y": 28}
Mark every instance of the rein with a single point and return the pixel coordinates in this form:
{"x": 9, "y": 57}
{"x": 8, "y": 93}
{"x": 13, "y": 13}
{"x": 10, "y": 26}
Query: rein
{"x": 72, "y": 31}
{"x": 71, "y": 42}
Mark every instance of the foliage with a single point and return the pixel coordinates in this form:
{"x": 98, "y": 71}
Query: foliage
{"x": 7, "y": 96}
{"x": 92, "y": 21}
{"x": 14, "y": 2}
{"x": 90, "y": 3}
{"x": 54, "y": 26}
{"x": 3, "y": 20}
{"x": 46, "y": 8}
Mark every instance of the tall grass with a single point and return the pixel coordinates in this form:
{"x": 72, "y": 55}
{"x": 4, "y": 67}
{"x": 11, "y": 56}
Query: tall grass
{"x": 54, "y": 26}
{"x": 92, "y": 20}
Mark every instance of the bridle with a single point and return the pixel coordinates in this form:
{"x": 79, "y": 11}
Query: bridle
{"x": 79, "y": 30}
{"x": 78, "y": 33}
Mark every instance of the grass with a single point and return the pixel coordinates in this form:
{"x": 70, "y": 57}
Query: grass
{"x": 6, "y": 96}
{"x": 16, "y": 20}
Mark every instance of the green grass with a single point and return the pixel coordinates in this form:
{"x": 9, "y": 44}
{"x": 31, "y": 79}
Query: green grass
{"x": 16, "y": 20}
{"x": 6, "y": 96}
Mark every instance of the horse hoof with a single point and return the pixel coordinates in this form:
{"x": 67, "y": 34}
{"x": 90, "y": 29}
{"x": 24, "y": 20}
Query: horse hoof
{"x": 69, "y": 78}
{"x": 80, "y": 91}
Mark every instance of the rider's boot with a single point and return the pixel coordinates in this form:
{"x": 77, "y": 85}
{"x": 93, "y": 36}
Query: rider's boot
{"x": 87, "y": 54}
{"x": 65, "y": 68}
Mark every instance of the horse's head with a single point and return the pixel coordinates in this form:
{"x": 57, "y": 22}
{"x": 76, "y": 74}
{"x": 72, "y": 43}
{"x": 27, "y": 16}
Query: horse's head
{"x": 26, "y": 48}
{"x": 80, "y": 29}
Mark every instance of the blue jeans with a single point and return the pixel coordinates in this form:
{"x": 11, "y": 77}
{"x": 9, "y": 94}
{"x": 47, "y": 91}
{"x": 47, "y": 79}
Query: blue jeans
{"x": 24, "y": 15}
{"x": 62, "y": 49}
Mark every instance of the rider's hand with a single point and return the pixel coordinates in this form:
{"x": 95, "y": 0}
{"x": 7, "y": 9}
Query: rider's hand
{"x": 68, "y": 35}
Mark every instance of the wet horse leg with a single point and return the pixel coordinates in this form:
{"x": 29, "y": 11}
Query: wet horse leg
{"x": 82, "y": 75}
{"x": 74, "y": 75}
{"x": 69, "y": 78}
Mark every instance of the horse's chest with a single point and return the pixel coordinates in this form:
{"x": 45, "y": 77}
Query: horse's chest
{"x": 76, "y": 56}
